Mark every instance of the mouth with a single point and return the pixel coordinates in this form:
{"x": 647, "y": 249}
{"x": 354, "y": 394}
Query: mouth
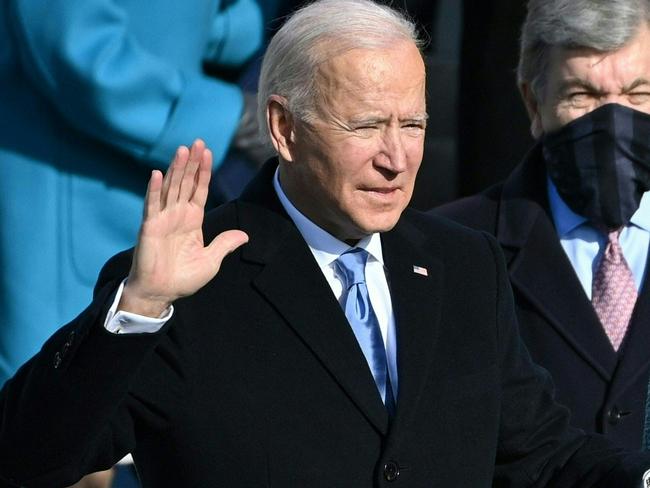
{"x": 381, "y": 189}
{"x": 381, "y": 192}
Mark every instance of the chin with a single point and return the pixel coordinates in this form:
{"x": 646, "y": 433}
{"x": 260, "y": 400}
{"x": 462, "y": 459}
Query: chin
{"x": 383, "y": 223}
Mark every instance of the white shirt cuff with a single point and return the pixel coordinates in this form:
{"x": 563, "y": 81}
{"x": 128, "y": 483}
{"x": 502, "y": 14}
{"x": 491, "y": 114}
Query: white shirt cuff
{"x": 128, "y": 459}
{"x": 121, "y": 322}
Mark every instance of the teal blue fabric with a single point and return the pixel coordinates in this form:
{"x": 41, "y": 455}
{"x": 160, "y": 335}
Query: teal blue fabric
{"x": 93, "y": 95}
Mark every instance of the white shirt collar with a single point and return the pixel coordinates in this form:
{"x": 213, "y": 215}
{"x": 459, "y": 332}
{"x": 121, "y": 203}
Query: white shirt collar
{"x": 325, "y": 247}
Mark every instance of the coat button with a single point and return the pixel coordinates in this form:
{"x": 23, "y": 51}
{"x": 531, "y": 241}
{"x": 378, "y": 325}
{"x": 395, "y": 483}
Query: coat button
{"x": 615, "y": 416}
{"x": 57, "y": 360}
{"x": 391, "y": 471}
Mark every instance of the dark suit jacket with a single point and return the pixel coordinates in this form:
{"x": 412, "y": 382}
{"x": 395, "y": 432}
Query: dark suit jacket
{"x": 258, "y": 381}
{"x": 605, "y": 391}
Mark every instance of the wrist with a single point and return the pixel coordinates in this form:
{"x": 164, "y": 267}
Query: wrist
{"x": 142, "y": 304}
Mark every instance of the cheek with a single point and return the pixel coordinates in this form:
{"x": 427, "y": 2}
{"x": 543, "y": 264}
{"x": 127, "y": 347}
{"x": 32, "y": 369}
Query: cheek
{"x": 414, "y": 152}
{"x": 355, "y": 152}
{"x": 552, "y": 118}
{"x": 352, "y": 163}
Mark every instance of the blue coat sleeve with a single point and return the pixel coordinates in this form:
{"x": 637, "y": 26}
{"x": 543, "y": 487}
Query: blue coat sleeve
{"x": 107, "y": 72}
{"x": 236, "y": 34}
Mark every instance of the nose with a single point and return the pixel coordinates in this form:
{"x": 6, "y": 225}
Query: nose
{"x": 616, "y": 98}
{"x": 393, "y": 152}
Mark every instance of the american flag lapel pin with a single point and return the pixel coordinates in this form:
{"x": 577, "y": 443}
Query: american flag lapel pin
{"x": 420, "y": 270}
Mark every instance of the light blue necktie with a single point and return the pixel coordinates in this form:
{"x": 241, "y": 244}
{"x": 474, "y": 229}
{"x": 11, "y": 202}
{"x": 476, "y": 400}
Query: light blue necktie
{"x": 358, "y": 310}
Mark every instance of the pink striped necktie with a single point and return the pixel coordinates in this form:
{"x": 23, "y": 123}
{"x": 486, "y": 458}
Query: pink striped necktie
{"x": 613, "y": 291}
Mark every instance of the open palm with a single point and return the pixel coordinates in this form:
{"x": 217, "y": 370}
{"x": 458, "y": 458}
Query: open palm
{"x": 170, "y": 259}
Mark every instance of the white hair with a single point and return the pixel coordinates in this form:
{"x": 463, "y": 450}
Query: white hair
{"x": 603, "y": 25}
{"x": 315, "y": 33}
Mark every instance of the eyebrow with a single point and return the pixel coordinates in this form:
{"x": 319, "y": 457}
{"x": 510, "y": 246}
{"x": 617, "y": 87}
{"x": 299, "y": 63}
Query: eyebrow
{"x": 416, "y": 118}
{"x": 384, "y": 120}
{"x": 636, "y": 84}
{"x": 577, "y": 83}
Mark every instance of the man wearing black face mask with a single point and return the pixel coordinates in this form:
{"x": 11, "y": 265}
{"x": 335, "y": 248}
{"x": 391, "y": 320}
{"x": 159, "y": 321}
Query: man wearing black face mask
{"x": 574, "y": 218}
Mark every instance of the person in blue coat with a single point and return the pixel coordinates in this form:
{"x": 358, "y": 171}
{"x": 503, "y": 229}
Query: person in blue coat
{"x": 94, "y": 94}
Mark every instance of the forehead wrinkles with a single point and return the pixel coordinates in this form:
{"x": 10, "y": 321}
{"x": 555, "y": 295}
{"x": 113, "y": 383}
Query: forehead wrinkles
{"x": 351, "y": 73}
{"x": 367, "y": 75}
{"x": 620, "y": 67}
{"x": 603, "y": 72}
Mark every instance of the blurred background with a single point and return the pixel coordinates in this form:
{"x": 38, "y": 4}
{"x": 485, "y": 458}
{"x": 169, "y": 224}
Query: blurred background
{"x": 478, "y": 128}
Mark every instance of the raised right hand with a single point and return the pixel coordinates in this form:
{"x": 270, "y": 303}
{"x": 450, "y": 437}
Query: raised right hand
{"x": 170, "y": 260}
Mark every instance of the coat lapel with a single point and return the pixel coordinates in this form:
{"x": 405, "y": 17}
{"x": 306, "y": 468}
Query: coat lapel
{"x": 416, "y": 306}
{"x": 293, "y": 283}
{"x": 540, "y": 270}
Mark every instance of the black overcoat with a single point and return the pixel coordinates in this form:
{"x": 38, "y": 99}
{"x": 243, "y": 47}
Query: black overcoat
{"x": 605, "y": 390}
{"x": 258, "y": 381}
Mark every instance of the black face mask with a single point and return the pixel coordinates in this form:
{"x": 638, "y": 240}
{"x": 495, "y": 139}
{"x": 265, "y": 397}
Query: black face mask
{"x": 600, "y": 163}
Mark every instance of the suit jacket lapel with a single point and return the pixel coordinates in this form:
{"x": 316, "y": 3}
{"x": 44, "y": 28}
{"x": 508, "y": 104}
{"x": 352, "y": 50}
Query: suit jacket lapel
{"x": 417, "y": 306}
{"x": 540, "y": 270}
{"x": 293, "y": 283}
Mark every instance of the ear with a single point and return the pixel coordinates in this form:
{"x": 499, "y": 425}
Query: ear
{"x": 281, "y": 126}
{"x": 532, "y": 107}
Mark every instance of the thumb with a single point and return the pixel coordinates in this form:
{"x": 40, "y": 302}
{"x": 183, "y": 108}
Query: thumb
{"x": 225, "y": 243}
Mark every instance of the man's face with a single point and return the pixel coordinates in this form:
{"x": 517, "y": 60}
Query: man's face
{"x": 351, "y": 170}
{"x": 581, "y": 80}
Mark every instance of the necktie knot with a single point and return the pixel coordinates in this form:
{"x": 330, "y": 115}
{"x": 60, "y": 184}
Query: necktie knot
{"x": 613, "y": 252}
{"x": 352, "y": 266}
